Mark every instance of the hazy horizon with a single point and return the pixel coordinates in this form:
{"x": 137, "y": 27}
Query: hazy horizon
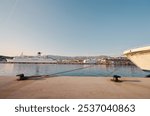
{"x": 73, "y": 27}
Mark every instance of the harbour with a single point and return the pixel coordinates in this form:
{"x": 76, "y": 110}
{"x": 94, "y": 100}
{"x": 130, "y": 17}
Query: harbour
{"x": 44, "y": 77}
{"x": 55, "y": 49}
{"x": 7, "y": 69}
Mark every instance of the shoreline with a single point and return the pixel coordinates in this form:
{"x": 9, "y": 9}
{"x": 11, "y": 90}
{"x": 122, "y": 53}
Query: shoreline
{"x": 68, "y": 87}
{"x": 66, "y": 63}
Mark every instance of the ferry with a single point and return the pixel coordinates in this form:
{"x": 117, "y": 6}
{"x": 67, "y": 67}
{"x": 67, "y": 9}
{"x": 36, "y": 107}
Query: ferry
{"x": 32, "y": 59}
{"x": 140, "y": 57}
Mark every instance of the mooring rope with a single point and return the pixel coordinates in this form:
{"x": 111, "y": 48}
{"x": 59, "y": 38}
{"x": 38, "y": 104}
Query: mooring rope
{"x": 81, "y": 68}
{"x": 62, "y": 72}
{"x": 58, "y": 73}
{"x": 108, "y": 74}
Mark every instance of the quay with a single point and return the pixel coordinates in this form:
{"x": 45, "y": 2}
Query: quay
{"x": 74, "y": 87}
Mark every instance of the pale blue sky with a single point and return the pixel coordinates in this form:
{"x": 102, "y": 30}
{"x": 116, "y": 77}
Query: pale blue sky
{"x": 73, "y": 27}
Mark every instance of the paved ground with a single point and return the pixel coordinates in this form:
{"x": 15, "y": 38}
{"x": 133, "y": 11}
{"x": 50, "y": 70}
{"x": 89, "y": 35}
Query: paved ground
{"x": 65, "y": 87}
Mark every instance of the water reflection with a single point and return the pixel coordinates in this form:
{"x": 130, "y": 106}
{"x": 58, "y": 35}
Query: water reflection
{"x": 6, "y": 69}
{"x": 70, "y": 70}
{"x": 37, "y": 70}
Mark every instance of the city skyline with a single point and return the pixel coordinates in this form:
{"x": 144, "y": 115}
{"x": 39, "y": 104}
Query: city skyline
{"x": 73, "y": 27}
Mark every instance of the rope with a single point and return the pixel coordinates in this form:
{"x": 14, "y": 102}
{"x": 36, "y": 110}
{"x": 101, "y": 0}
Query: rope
{"x": 81, "y": 68}
{"x": 109, "y": 74}
{"x": 54, "y": 74}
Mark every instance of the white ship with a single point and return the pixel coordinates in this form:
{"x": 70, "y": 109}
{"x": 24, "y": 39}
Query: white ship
{"x": 32, "y": 59}
{"x": 140, "y": 57}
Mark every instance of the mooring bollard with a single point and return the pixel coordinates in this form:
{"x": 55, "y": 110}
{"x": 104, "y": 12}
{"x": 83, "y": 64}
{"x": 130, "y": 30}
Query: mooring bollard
{"x": 22, "y": 77}
{"x": 115, "y": 78}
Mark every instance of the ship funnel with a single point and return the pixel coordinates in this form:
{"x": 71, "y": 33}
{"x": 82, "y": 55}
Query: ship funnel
{"x": 39, "y": 53}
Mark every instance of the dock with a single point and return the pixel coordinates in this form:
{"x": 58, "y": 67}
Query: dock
{"x": 74, "y": 87}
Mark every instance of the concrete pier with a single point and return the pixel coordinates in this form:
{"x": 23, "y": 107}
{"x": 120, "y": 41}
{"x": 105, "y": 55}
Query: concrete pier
{"x": 68, "y": 87}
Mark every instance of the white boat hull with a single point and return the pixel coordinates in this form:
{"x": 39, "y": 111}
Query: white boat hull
{"x": 28, "y": 60}
{"x": 32, "y": 59}
{"x": 140, "y": 57}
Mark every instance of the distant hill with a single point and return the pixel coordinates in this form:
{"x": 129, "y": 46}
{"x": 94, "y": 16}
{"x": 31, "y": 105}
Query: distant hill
{"x": 61, "y": 58}
{"x": 3, "y": 58}
{"x": 57, "y": 57}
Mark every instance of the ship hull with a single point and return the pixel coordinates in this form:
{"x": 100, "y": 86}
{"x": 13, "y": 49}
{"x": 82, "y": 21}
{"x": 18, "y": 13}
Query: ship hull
{"x": 32, "y": 59}
{"x": 140, "y": 57}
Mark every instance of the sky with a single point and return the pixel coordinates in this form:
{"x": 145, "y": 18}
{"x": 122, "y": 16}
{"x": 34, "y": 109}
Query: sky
{"x": 73, "y": 27}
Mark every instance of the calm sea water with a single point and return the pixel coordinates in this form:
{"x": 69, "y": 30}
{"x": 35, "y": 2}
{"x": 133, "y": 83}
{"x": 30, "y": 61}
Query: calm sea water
{"x": 70, "y": 70}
